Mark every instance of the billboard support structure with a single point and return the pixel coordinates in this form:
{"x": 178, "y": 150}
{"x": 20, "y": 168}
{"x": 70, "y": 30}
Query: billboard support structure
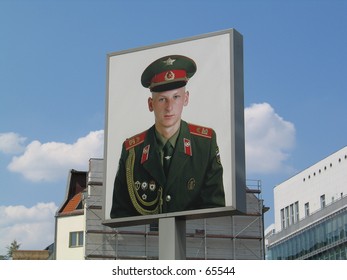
{"x": 172, "y": 239}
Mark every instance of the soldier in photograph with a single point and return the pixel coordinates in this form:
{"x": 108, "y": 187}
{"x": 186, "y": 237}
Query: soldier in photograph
{"x": 174, "y": 165}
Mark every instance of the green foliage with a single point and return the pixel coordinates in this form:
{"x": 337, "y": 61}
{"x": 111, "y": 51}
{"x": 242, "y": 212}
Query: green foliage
{"x": 13, "y": 247}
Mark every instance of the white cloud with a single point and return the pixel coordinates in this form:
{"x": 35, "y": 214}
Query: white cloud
{"x": 269, "y": 138}
{"x": 51, "y": 161}
{"x": 33, "y": 227}
{"x": 11, "y": 143}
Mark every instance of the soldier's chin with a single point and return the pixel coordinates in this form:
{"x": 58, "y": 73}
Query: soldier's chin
{"x": 169, "y": 122}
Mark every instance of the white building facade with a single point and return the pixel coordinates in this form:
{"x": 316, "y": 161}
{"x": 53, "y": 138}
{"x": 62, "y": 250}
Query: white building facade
{"x": 311, "y": 212}
{"x": 70, "y": 225}
{"x": 70, "y": 233}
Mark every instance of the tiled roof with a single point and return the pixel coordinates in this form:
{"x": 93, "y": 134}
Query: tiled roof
{"x": 72, "y": 203}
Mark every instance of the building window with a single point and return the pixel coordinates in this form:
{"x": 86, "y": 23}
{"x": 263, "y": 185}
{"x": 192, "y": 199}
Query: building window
{"x": 287, "y": 216}
{"x": 322, "y": 201}
{"x": 307, "y": 209}
{"x": 292, "y": 217}
{"x": 312, "y": 243}
{"x": 283, "y": 220}
{"x": 76, "y": 239}
{"x": 296, "y": 211}
{"x": 154, "y": 226}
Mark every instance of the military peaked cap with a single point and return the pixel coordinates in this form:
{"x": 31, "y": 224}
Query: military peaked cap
{"x": 168, "y": 72}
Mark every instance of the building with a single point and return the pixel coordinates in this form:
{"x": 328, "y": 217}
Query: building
{"x": 311, "y": 212}
{"x": 45, "y": 254}
{"x": 80, "y": 233}
{"x": 30, "y": 255}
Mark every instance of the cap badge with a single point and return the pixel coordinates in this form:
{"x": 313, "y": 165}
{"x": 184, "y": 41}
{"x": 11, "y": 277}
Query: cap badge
{"x": 169, "y": 76}
{"x": 169, "y": 61}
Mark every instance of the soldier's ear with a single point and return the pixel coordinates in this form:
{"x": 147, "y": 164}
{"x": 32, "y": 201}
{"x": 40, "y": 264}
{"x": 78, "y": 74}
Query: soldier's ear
{"x": 186, "y": 98}
{"x": 150, "y": 104}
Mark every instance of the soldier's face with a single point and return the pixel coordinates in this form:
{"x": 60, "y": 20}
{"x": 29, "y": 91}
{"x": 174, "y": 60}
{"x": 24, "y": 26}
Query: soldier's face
{"x": 168, "y": 106}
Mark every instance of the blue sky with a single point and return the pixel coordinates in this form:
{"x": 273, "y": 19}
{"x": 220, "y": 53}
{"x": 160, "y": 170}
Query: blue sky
{"x": 53, "y": 87}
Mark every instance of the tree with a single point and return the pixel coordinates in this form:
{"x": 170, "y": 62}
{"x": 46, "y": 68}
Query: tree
{"x": 13, "y": 247}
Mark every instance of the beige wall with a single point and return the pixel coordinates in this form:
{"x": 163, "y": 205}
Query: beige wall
{"x": 30, "y": 255}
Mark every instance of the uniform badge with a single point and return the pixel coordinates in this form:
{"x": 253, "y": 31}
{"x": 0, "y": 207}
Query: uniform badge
{"x": 203, "y": 131}
{"x": 137, "y": 185}
{"x": 145, "y": 153}
{"x": 218, "y": 156}
{"x": 135, "y": 140}
{"x": 191, "y": 184}
{"x": 187, "y": 147}
{"x": 144, "y": 186}
{"x": 169, "y": 76}
{"x": 200, "y": 131}
{"x": 169, "y": 61}
{"x": 152, "y": 186}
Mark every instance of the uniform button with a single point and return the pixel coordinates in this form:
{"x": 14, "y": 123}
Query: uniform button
{"x": 168, "y": 198}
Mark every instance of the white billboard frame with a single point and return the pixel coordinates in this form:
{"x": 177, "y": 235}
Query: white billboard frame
{"x": 216, "y": 101}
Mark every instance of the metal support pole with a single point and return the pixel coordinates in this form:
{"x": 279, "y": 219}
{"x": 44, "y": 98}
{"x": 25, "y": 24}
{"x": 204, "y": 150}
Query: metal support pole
{"x": 172, "y": 239}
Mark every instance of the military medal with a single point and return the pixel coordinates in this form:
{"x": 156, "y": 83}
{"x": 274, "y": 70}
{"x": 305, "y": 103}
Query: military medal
{"x": 152, "y": 186}
{"x": 144, "y": 185}
{"x": 137, "y": 185}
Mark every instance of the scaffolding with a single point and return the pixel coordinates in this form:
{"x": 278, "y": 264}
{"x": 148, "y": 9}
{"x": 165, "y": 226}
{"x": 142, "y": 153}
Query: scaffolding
{"x": 238, "y": 237}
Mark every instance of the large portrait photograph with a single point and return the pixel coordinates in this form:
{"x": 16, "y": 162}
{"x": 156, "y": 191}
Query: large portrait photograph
{"x": 174, "y": 132}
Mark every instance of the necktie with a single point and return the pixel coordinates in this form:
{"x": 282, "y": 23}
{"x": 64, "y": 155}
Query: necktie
{"x": 168, "y": 151}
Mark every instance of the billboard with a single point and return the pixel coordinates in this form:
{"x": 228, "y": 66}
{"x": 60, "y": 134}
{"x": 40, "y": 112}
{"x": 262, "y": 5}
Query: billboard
{"x": 190, "y": 91}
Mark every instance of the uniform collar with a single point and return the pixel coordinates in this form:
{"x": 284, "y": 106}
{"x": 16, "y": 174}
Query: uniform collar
{"x": 152, "y": 160}
{"x": 162, "y": 141}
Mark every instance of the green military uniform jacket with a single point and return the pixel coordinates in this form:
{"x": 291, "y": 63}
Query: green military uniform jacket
{"x": 194, "y": 180}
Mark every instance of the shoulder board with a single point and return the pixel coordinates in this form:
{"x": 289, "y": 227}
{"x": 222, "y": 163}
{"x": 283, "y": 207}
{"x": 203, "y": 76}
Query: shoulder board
{"x": 135, "y": 140}
{"x": 200, "y": 130}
